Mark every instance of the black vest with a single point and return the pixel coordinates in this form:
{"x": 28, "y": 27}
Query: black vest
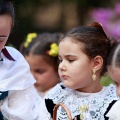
{"x": 2, "y": 96}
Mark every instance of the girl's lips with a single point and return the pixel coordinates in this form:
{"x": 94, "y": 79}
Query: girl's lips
{"x": 64, "y": 77}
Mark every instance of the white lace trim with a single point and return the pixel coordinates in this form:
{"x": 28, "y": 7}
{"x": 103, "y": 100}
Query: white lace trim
{"x": 97, "y": 103}
{"x": 21, "y": 105}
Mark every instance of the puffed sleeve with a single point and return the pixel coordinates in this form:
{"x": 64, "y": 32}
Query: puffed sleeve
{"x": 21, "y": 105}
{"x": 114, "y": 113}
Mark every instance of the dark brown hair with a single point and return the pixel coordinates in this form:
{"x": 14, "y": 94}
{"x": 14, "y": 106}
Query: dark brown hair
{"x": 40, "y": 45}
{"x": 94, "y": 39}
{"x": 6, "y": 8}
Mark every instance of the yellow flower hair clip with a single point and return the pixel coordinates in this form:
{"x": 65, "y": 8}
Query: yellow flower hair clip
{"x": 53, "y": 50}
{"x": 29, "y": 39}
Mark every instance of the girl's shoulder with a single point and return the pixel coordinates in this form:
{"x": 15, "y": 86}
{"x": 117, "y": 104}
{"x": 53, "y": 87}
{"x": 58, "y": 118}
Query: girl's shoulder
{"x": 17, "y": 56}
{"x": 114, "y": 112}
{"x": 97, "y": 102}
{"x": 11, "y": 49}
{"x": 57, "y": 92}
{"x": 14, "y": 52}
{"x": 15, "y": 73}
{"x": 111, "y": 90}
{"x": 108, "y": 92}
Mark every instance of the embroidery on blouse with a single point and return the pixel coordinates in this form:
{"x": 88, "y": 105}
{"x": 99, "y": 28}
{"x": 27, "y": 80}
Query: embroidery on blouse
{"x": 83, "y": 109}
{"x": 92, "y": 107}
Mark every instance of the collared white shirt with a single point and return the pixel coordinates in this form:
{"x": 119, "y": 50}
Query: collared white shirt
{"x": 22, "y": 102}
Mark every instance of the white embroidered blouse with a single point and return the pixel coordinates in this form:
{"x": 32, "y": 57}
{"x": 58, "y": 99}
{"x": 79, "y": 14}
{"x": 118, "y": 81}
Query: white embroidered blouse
{"x": 97, "y": 103}
{"x": 22, "y": 102}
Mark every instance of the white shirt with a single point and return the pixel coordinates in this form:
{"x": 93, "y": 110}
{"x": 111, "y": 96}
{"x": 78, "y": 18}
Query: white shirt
{"x": 114, "y": 113}
{"x": 97, "y": 103}
{"x": 22, "y": 102}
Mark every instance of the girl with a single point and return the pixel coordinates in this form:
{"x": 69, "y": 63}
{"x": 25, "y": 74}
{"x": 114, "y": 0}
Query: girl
{"x": 44, "y": 49}
{"x": 18, "y": 97}
{"x": 83, "y": 53}
{"x": 114, "y": 72}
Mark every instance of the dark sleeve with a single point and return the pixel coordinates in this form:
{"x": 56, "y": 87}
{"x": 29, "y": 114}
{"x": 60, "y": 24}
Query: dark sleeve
{"x": 50, "y": 106}
{"x": 109, "y": 107}
{"x": 2, "y": 96}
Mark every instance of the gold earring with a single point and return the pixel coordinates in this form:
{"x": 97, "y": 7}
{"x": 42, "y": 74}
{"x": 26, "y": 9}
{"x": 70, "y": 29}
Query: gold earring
{"x": 94, "y": 75}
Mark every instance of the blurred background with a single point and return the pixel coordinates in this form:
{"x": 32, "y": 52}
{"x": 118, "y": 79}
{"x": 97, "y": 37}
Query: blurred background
{"x": 62, "y": 15}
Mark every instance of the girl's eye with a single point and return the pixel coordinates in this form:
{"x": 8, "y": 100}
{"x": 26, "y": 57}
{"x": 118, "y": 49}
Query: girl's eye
{"x": 39, "y": 71}
{"x": 60, "y": 61}
{"x": 70, "y": 60}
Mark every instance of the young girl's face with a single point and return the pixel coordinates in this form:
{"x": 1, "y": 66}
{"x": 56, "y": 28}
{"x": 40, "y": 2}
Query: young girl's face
{"x": 44, "y": 73}
{"x": 5, "y": 28}
{"x": 114, "y": 73}
{"x": 75, "y": 68}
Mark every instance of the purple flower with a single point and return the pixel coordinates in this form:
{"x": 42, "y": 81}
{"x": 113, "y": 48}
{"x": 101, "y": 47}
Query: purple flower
{"x": 110, "y": 20}
{"x": 117, "y": 8}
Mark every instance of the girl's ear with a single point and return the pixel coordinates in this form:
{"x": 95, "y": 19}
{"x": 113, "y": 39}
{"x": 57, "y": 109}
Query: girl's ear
{"x": 97, "y": 63}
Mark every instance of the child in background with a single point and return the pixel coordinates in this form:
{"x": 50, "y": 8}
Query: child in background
{"x": 114, "y": 72}
{"x": 83, "y": 53}
{"x": 18, "y": 97}
{"x": 41, "y": 52}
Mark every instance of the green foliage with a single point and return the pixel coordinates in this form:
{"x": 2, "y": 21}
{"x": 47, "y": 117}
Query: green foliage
{"x": 106, "y": 80}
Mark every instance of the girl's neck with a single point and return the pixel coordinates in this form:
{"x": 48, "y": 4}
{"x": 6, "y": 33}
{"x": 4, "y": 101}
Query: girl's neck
{"x": 93, "y": 88}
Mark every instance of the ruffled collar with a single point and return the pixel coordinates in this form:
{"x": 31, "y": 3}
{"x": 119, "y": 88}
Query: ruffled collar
{"x": 14, "y": 73}
{"x": 6, "y": 54}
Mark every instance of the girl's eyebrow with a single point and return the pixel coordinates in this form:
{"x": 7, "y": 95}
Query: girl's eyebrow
{"x": 68, "y": 55}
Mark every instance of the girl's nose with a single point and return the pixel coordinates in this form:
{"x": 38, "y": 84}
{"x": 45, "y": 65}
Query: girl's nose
{"x": 62, "y": 66}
